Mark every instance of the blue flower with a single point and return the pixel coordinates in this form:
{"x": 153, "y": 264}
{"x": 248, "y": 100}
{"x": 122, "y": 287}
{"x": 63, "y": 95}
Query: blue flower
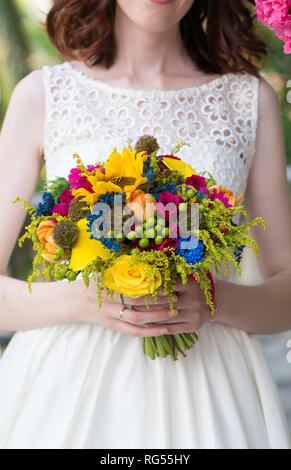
{"x": 238, "y": 251}
{"x": 108, "y": 198}
{"x": 46, "y": 206}
{"x": 92, "y": 227}
{"x": 111, "y": 244}
{"x": 170, "y": 187}
{"x": 201, "y": 195}
{"x": 148, "y": 171}
{"x": 193, "y": 251}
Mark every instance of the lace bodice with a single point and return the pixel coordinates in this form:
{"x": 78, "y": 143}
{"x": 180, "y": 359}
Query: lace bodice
{"x": 91, "y": 117}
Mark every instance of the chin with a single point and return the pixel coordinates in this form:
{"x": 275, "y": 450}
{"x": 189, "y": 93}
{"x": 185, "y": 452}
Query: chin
{"x": 154, "y": 17}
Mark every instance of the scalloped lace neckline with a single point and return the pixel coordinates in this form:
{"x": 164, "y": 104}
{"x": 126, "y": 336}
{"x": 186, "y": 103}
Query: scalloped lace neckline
{"x": 133, "y": 91}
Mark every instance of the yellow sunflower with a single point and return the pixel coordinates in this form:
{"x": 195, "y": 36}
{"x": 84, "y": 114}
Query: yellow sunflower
{"x": 122, "y": 173}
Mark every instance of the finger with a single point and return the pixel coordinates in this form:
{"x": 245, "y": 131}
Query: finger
{"x": 141, "y": 318}
{"x": 173, "y": 329}
{"x": 184, "y": 316}
{"x": 138, "y": 301}
{"x": 152, "y": 308}
{"x": 133, "y": 330}
{"x": 190, "y": 283}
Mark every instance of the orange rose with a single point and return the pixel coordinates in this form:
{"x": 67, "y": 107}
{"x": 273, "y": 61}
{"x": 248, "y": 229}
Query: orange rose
{"x": 142, "y": 205}
{"x": 228, "y": 194}
{"x": 44, "y": 233}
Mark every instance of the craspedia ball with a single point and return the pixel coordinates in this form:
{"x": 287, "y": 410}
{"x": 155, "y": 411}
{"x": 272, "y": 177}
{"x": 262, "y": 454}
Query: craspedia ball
{"x": 66, "y": 234}
{"x": 78, "y": 210}
{"x": 147, "y": 143}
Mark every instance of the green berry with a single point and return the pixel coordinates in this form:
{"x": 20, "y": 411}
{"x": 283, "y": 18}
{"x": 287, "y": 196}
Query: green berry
{"x": 110, "y": 234}
{"x": 63, "y": 271}
{"x": 190, "y": 193}
{"x": 150, "y": 222}
{"x": 183, "y": 207}
{"x": 57, "y": 257}
{"x": 166, "y": 232}
{"x": 135, "y": 251}
{"x": 159, "y": 240}
{"x": 59, "y": 276}
{"x": 139, "y": 229}
{"x": 131, "y": 235}
{"x": 59, "y": 251}
{"x": 72, "y": 276}
{"x": 120, "y": 237}
{"x": 161, "y": 222}
{"x": 151, "y": 233}
{"x": 144, "y": 243}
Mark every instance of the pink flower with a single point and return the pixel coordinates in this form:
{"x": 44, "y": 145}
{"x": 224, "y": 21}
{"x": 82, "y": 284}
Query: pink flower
{"x": 78, "y": 181}
{"x": 66, "y": 196}
{"x": 170, "y": 243}
{"x": 198, "y": 182}
{"x": 62, "y": 209}
{"x": 276, "y": 13}
{"x": 220, "y": 196}
{"x": 170, "y": 200}
{"x": 283, "y": 31}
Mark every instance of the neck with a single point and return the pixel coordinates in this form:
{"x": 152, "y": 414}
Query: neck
{"x": 143, "y": 54}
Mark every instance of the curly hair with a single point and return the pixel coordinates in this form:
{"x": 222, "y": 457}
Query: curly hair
{"x": 219, "y": 36}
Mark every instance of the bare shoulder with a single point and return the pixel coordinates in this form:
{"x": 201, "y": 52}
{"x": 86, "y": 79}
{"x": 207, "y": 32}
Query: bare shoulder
{"x": 268, "y": 99}
{"x": 25, "y": 116}
{"x": 30, "y": 91}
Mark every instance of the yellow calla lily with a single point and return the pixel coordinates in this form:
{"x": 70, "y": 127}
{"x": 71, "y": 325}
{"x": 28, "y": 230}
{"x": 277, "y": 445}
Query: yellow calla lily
{"x": 177, "y": 165}
{"x": 86, "y": 249}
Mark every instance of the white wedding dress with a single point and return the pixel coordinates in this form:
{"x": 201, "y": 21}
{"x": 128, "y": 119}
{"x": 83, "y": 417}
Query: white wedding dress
{"x": 87, "y": 386}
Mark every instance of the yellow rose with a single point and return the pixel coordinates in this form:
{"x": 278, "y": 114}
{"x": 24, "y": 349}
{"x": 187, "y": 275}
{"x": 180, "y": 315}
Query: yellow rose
{"x": 131, "y": 280}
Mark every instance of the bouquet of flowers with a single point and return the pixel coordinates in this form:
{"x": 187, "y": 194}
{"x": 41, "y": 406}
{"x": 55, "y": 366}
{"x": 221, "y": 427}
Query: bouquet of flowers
{"x": 135, "y": 224}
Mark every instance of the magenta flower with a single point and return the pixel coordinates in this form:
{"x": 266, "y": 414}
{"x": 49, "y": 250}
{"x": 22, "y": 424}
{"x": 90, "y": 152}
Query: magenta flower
{"x": 220, "y": 196}
{"x": 62, "y": 209}
{"x": 170, "y": 243}
{"x": 198, "y": 182}
{"x": 78, "y": 181}
{"x": 66, "y": 196}
{"x": 171, "y": 201}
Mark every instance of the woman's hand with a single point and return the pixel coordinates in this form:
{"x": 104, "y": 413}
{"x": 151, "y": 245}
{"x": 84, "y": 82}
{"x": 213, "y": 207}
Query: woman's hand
{"x": 137, "y": 321}
{"x": 191, "y": 310}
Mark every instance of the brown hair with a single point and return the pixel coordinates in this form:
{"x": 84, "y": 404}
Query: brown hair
{"x": 219, "y": 35}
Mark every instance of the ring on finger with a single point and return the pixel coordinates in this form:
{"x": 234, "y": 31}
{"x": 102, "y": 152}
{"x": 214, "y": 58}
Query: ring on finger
{"x": 121, "y": 313}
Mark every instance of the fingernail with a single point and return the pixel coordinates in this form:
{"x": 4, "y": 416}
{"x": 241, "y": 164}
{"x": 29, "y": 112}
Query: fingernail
{"x": 164, "y": 330}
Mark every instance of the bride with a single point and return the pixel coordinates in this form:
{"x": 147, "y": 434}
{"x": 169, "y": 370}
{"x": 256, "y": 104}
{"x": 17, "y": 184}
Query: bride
{"x": 74, "y": 375}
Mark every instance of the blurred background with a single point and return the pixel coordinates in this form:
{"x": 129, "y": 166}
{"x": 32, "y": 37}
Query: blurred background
{"x": 24, "y": 47}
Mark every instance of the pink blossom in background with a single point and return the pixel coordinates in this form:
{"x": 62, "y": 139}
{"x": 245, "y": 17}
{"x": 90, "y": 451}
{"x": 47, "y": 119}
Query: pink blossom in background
{"x": 277, "y": 14}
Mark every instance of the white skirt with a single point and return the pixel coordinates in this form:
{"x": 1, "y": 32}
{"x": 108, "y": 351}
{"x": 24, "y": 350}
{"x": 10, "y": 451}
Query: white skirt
{"x": 83, "y": 386}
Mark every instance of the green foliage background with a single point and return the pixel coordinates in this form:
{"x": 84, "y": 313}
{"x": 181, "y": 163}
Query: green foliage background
{"x": 24, "y": 46}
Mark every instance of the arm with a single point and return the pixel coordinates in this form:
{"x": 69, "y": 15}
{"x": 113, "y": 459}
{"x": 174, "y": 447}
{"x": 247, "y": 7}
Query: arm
{"x": 265, "y": 308}
{"x": 21, "y": 159}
